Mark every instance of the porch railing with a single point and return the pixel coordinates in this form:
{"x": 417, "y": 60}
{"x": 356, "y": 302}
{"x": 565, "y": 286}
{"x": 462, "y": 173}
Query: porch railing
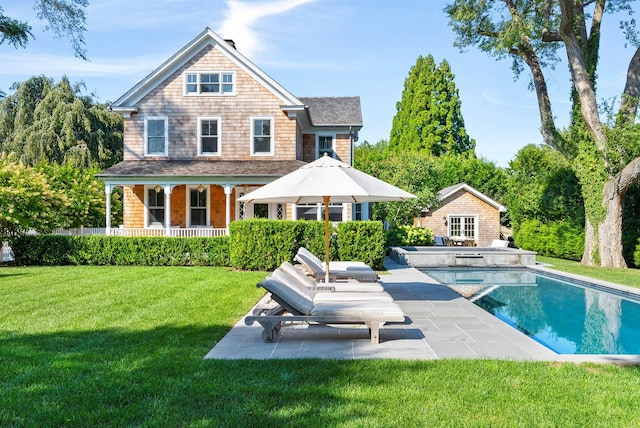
{"x": 200, "y": 232}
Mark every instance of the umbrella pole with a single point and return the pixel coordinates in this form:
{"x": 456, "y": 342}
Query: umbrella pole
{"x": 326, "y": 238}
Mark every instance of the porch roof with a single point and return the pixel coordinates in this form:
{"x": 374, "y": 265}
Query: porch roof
{"x": 199, "y": 169}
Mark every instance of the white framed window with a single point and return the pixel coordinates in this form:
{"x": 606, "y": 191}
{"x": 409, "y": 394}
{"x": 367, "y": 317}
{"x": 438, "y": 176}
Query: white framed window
{"x": 316, "y": 212}
{"x": 210, "y": 83}
{"x": 209, "y": 136}
{"x": 245, "y": 210}
{"x": 156, "y": 136}
{"x": 154, "y": 201}
{"x": 325, "y": 143}
{"x": 198, "y": 206}
{"x": 463, "y": 225}
{"x": 262, "y": 135}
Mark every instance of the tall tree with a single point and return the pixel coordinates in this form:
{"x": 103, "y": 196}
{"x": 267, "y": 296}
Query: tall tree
{"x": 428, "y": 116}
{"x": 606, "y": 156}
{"x": 65, "y": 18}
{"x": 55, "y": 122}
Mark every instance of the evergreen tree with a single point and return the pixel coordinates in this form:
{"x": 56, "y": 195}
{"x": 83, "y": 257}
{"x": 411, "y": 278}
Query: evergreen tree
{"x": 428, "y": 116}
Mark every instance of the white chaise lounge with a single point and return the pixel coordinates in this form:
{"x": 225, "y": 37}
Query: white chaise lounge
{"x": 299, "y": 306}
{"x": 341, "y": 287}
{"x": 316, "y": 269}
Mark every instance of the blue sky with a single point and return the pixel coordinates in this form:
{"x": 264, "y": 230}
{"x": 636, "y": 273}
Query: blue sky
{"x": 312, "y": 48}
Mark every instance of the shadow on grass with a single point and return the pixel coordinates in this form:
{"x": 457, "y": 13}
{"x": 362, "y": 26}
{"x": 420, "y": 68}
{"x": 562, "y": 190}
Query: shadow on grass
{"x": 159, "y": 378}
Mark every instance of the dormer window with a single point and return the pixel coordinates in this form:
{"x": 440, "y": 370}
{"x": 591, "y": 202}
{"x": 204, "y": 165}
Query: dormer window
{"x": 210, "y": 83}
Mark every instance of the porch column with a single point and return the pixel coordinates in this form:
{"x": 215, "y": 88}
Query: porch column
{"x": 228, "y": 188}
{"x": 167, "y": 209}
{"x": 294, "y": 211}
{"x": 107, "y": 191}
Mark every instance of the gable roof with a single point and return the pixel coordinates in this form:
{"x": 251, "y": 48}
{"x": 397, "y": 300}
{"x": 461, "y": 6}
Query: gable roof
{"x": 128, "y": 101}
{"x": 333, "y": 111}
{"x": 448, "y": 191}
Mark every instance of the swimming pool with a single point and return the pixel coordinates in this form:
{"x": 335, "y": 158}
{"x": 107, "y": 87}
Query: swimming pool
{"x": 567, "y": 316}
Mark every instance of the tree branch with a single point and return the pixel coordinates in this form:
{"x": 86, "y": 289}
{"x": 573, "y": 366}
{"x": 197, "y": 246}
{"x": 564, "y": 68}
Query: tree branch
{"x": 629, "y": 103}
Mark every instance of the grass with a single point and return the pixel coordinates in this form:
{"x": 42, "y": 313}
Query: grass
{"x": 630, "y": 277}
{"x": 116, "y": 346}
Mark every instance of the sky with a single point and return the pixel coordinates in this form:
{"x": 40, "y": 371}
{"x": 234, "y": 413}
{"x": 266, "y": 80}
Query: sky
{"x": 313, "y": 48}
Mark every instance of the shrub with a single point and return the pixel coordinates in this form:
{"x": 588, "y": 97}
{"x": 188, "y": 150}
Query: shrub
{"x": 636, "y": 254}
{"x": 117, "y": 250}
{"x": 553, "y": 239}
{"x": 362, "y": 241}
{"x": 409, "y": 236}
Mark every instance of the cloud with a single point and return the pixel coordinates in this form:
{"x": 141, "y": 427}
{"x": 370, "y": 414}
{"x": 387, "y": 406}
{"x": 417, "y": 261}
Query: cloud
{"x": 241, "y": 16}
{"x": 27, "y": 64}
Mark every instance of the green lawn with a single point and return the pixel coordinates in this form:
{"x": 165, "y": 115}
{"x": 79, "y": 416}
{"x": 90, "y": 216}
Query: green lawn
{"x": 630, "y": 277}
{"x": 123, "y": 346}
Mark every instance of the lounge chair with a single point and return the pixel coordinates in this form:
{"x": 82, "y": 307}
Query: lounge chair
{"x": 319, "y": 294}
{"x": 298, "y": 306}
{"x": 341, "y": 287}
{"x": 315, "y": 269}
{"x": 333, "y": 265}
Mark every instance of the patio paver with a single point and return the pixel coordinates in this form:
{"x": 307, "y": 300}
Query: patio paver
{"x": 439, "y": 324}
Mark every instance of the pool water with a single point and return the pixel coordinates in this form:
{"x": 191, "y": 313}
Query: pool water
{"x": 568, "y": 318}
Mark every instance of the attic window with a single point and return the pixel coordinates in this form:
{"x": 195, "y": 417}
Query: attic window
{"x": 210, "y": 83}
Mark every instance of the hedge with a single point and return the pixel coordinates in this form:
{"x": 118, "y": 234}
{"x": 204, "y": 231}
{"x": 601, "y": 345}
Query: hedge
{"x": 48, "y": 250}
{"x": 251, "y": 245}
{"x": 563, "y": 240}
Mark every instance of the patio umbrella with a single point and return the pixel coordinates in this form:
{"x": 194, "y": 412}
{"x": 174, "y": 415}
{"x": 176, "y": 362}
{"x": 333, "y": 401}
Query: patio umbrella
{"x": 326, "y": 180}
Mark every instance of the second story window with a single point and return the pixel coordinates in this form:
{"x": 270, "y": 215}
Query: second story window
{"x": 261, "y": 136}
{"x": 210, "y": 83}
{"x": 209, "y": 136}
{"x": 325, "y": 145}
{"x": 156, "y": 134}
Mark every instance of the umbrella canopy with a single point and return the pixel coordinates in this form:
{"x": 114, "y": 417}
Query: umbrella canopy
{"x": 326, "y": 180}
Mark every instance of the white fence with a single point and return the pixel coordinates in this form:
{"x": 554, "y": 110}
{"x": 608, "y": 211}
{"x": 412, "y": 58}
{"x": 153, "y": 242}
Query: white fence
{"x": 200, "y": 232}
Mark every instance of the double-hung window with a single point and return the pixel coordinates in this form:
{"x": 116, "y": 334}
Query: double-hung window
{"x": 155, "y": 204}
{"x": 262, "y": 136}
{"x": 156, "y": 135}
{"x": 324, "y": 144}
{"x": 209, "y": 136}
{"x": 198, "y": 206}
{"x": 210, "y": 83}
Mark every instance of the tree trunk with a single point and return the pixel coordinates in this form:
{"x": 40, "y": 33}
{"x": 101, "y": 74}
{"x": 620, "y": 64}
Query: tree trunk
{"x": 590, "y": 243}
{"x": 610, "y": 229}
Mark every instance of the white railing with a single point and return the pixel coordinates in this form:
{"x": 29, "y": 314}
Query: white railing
{"x": 189, "y": 232}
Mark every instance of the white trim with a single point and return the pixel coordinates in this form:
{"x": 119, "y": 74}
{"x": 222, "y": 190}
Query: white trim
{"x": 199, "y": 73}
{"x": 333, "y": 142}
{"x": 207, "y": 207}
{"x": 146, "y": 209}
{"x": 476, "y": 193}
{"x": 271, "y": 137}
{"x": 199, "y": 132}
{"x": 180, "y": 58}
{"x": 166, "y": 135}
{"x": 476, "y": 223}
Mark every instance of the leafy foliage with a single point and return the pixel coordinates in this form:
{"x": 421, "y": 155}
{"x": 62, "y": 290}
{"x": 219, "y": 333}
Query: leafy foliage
{"x": 428, "y": 117}
{"x": 409, "y": 236}
{"x": 362, "y": 241}
{"x": 65, "y": 18}
{"x": 27, "y": 199}
{"x": 542, "y": 185}
{"x": 552, "y": 238}
{"x": 54, "y": 122}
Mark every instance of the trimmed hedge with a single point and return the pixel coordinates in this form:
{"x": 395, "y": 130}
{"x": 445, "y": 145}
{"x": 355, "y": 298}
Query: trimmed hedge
{"x": 251, "y": 245}
{"x": 553, "y": 239}
{"x": 48, "y": 250}
{"x": 362, "y": 241}
{"x": 409, "y": 236}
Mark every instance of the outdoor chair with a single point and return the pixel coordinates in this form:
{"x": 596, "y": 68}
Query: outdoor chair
{"x": 299, "y": 306}
{"x": 361, "y": 273}
{"x": 340, "y": 287}
{"x": 333, "y": 265}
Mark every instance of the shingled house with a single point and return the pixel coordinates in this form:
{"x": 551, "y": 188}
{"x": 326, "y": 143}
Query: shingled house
{"x": 465, "y": 216}
{"x": 208, "y": 126}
